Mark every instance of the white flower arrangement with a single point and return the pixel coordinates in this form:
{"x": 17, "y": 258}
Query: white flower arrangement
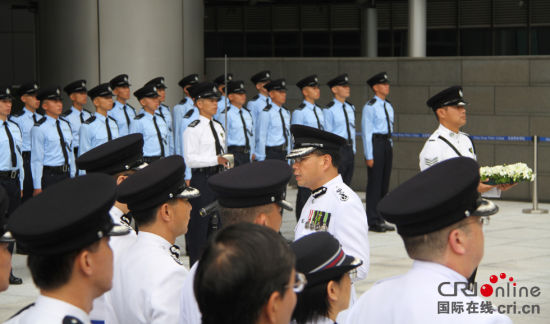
{"x": 506, "y": 174}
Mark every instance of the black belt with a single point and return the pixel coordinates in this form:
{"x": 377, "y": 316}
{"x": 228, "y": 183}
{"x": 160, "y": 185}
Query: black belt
{"x": 385, "y": 136}
{"x": 281, "y": 148}
{"x": 62, "y": 169}
{"x": 207, "y": 170}
{"x": 26, "y": 154}
{"x": 239, "y": 149}
{"x": 9, "y": 174}
{"x": 150, "y": 159}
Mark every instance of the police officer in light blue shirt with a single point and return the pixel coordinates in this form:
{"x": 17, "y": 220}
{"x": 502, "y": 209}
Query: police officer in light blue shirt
{"x": 307, "y": 114}
{"x": 153, "y": 127}
{"x": 240, "y": 126}
{"x": 377, "y": 128}
{"x": 180, "y": 111}
{"x": 122, "y": 112}
{"x": 100, "y": 128}
{"x": 259, "y": 101}
{"x": 52, "y": 158}
{"x": 340, "y": 120}
{"x": 219, "y": 82}
{"x": 163, "y": 110}
{"x": 76, "y": 115}
{"x": 26, "y": 119}
{"x": 273, "y": 126}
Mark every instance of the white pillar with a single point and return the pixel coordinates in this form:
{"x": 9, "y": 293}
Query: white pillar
{"x": 193, "y": 37}
{"x": 417, "y": 28}
{"x": 372, "y": 32}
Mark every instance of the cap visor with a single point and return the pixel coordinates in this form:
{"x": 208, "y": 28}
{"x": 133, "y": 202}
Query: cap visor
{"x": 299, "y": 152}
{"x": 486, "y": 208}
{"x": 188, "y": 193}
{"x": 6, "y": 238}
{"x": 285, "y": 205}
{"x": 119, "y": 230}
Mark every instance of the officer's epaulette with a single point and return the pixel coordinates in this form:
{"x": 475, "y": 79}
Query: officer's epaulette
{"x": 19, "y": 113}
{"x": 111, "y": 118}
{"x": 40, "y": 121}
{"x": 189, "y": 113}
{"x": 371, "y": 102}
{"x": 22, "y": 310}
{"x": 158, "y": 113}
{"x": 194, "y": 123}
{"x": 301, "y": 106}
{"x": 268, "y": 107}
{"x": 114, "y": 104}
{"x": 71, "y": 320}
{"x": 183, "y": 101}
{"x": 330, "y": 104}
{"x": 67, "y": 113}
{"x": 218, "y": 122}
{"x": 131, "y": 107}
{"x": 89, "y": 120}
{"x": 255, "y": 97}
{"x": 225, "y": 110}
{"x": 165, "y": 106}
{"x": 63, "y": 119}
{"x": 139, "y": 116}
{"x": 349, "y": 103}
{"x": 246, "y": 108}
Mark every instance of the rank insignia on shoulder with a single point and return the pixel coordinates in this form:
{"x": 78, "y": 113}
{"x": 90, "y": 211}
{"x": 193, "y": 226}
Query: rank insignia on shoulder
{"x": 175, "y": 252}
{"x": 139, "y": 116}
{"x": 371, "y": 102}
{"x": 330, "y": 104}
{"x": 318, "y": 220}
{"x": 431, "y": 162}
{"x": 341, "y": 194}
{"x": 302, "y": 105}
{"x": 255, "y": 97}
{"x": 89, "y": 120}
{"x": 267, "y": 108}
{"x": 194, "y": 123}
{"x": 189, "y": 113}
{"x": 71, "y": 320}
{"x": 471, "y": 150}
{"x": 319, "y": 192}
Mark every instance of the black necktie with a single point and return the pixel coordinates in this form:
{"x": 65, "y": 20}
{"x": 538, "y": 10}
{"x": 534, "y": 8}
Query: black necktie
{"x": 284, "y": 127}
{"x": 109, "y": 135}
{"x": 247, "y": 144}
{"x": 81, "y": 117}
{"x": 160, "y": 111}
{"x": 387, "y": 119}
{"x": 62, "y": 142}
{"x": 12, "y": 146}
{"x": 127, "y": 117}
{"x": 216, "y": 139}
{"x": 34, "y": 117}
{"x": 317, "y": 117}
{"x": 347, "y": 122}
{"x": 159, "y": 136}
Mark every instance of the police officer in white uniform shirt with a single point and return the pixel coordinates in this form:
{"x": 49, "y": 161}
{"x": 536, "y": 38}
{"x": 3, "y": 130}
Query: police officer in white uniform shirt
{"x": 332, "y": 207}
{"x": 448, "y": 141}
{"x": 149, "y": 276}
{"x": 439, "y": 224}
{"x": 203, "y": 146}
{"x": 69, "y": 255}
{"x": 118, "y": 158}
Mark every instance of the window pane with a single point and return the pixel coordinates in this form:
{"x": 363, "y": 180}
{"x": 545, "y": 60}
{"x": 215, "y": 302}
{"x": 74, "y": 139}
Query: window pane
{"x": 475, "y": 41}
{"x": 346, "y": 44}
{"x": 286, "y": 44}
{"x": 400, "y": 42}
{"x": 219, "y": 44}
{"x": 384, "y": 43}
{"x": 511, "y": 41}
{"x": 539, "y": 41}
{"x": 441, "y": 42}
{"x": 316, "y": 44}
{"x": 258, "y": 44}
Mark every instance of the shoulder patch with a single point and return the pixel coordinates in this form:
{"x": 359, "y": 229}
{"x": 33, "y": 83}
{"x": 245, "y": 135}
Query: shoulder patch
{"x": 22, "y": 310}
{"x": 189, "y": 113}
{"x": 18, "y": 114}
{"x": 255, "y": 97}
{"x": 301, "y": 106}
{"x": 342, "y": 195}
{"x": 67, "y": 113}
{"x": 268, "y": 107}
{"x": 71, "y": 320}
{"x": 90, "y": 120}
{"x": 183, "y": 101}
{"x": 194, "y": 123}
{"x": 330, "y": 104}
{"x": 139, "y": 116}
{"x": 40, "y": 121}
{"x": 371, "y": 102}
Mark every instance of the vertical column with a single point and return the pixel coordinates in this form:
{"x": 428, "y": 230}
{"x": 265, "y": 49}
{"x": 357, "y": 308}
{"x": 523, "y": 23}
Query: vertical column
{"x": 417, "y": 28}
{"x": 68, "y": 38}
{"x": 193, "y": 37}
{"x": 370, "y": 29}
{"x": 142, "y": 38}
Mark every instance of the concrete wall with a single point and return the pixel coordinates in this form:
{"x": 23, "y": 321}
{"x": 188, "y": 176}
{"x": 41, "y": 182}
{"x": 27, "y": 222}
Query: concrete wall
{"x": 507, "y": 96}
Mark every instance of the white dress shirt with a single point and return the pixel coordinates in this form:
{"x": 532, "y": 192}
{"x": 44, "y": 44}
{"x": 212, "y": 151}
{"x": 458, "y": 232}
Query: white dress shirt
{"x": 190, "y": 313}
{"x": 414, "y": 298}
{"x": 199, "y": 146}
{"x": 47, "y": 310}
{"x": 148, "y": 281}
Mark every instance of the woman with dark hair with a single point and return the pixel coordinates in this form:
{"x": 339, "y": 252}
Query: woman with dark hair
{"x": 329, "y": 273}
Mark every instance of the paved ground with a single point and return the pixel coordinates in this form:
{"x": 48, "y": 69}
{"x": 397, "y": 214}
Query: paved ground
{"x": 515, "y": 243}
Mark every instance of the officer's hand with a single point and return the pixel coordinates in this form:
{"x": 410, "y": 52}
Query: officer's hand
{"x": 21, "y": 193}
{"x": 36, "y": 192}
{"x": 370, "y": 163}
{"x": 484, "y": 187}
{"x": 222, "y": 160}
{"x": 506, "y": 186}
{"x": 253, "y": 158}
